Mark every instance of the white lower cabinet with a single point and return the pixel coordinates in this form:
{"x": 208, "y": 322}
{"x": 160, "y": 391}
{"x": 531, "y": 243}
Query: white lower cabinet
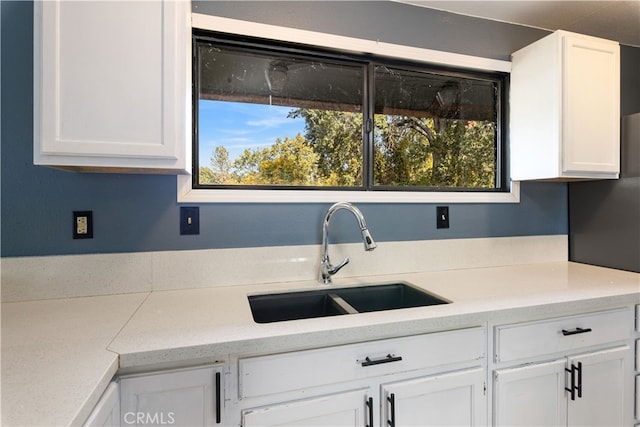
{"x": 567, "y": 371}
{"x": 186, "y": 397}
{"x": 541, "y": 393}
{"x": 426, "y": 380}
{"x": 578, "y": 388}
{"x": 348, "y": 408}
{"x": 450, "y": 399}
{"x": 602, "y": 391}
{"x": 530, "y": 395}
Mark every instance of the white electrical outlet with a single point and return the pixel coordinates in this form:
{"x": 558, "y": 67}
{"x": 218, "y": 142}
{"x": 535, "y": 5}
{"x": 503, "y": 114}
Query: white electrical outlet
{"x": 81, "y": 225}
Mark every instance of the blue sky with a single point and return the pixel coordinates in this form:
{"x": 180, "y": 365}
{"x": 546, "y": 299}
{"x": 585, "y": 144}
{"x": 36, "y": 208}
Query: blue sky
{"x": 237, "y": 126}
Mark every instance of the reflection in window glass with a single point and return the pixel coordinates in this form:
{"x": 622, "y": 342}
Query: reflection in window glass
{"x": 272, "y": 119}
{"x": 287, "y": 116}
{"x": 434, "y": 130}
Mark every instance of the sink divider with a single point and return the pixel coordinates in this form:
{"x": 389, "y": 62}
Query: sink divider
{"x": 342, "y": 304}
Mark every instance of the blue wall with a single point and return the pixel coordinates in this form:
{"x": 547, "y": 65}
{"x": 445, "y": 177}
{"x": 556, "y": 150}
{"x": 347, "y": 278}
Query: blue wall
{"x": 139, "y": 212}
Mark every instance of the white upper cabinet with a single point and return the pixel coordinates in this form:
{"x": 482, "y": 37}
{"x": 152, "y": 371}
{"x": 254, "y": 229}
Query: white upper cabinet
{"x": 565, "y": 109}
{"x": 111, "y": 85}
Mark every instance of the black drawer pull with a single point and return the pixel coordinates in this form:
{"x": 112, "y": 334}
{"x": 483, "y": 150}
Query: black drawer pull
{"x": 575, "y": 331}
{"x": 388, "y": 358}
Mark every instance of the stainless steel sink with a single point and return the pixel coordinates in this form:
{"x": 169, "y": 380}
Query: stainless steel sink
{"x": 331, "y": 301}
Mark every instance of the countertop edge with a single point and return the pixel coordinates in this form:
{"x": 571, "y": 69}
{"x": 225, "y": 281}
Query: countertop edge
{"x": 94, "y": 397}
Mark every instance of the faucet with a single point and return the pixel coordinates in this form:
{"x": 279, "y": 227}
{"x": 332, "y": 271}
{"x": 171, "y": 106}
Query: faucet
{"x": 326, "y": 269}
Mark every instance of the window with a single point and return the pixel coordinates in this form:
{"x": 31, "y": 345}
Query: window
{"x": 270, "y": 119}
{"x": 304, "y": 118}
{"x": 381, "y": 176}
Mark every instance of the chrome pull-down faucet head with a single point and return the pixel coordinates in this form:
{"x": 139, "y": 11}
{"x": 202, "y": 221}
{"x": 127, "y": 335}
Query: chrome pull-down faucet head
{"x": 326, "y": 268}
{"x": 369, "y": 243}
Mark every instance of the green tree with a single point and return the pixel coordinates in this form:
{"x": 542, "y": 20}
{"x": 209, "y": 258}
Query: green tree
{"x": 206, "y": 176}
{"x": 247, "y": 167}
{"x": 221, "y": 166}
{"x": 289, "y": 162}
{"x": 408, "y": 151}
{"x": 436, "y": 152}
{"x": 336, "y": 138}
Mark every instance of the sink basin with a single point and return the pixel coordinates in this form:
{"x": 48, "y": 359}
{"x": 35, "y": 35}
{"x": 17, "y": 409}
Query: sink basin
{"x": 293, "y": 305}
{"x": 330, "y": 301}
{"x": 388, "y": 297}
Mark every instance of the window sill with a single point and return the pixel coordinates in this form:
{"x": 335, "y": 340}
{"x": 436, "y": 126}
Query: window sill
{"x": 186, "y": 194}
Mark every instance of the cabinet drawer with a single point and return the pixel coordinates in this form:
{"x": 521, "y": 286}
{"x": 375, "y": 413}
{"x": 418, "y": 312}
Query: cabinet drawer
{"x": 309, "y": 368}
{"x": 531, "y": 339}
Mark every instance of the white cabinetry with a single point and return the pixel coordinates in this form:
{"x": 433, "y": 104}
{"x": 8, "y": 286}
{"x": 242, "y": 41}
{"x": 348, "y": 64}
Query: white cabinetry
{"x": 112, "y": 86}
{"x": 601, "y": 388}
{"x": 432, "y": 379}
{"x": 565, "y": 109}
{"x": 449, "y": 399}
{"x": 338, "y": 409}
{"x": 567, "y": 371}
{"x": 530, "y": 395}
{"x": 107, "y": 410}
{"x": 187, "y": 397}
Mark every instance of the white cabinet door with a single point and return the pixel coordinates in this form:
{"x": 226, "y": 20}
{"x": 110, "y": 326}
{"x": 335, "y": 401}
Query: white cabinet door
{"x": 340, "y": 409}
{"x": 531, "y": 395}
{"x": 448, "y": 399}
{"x": 564, "y": 108}
{"x": 604, "y": 385}
{"x": 107, "y": 411}
{"x": 540, "y": 394}
{"x": 191, "y": 397}
{"x": 591, "y": 106}
{"x": 111, "y": 85}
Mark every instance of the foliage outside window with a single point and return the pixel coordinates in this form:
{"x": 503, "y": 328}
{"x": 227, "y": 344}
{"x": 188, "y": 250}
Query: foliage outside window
{"x": 275, "y": 117}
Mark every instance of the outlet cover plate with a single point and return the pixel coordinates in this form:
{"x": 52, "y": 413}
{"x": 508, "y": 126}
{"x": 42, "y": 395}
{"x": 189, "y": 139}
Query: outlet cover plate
{"x": 442, "y": 216}
{"x": 189, "y": 220}
{"x": 83, "y": 224}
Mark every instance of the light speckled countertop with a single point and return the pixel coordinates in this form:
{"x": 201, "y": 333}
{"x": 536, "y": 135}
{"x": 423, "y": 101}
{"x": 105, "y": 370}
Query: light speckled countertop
{"x": 55, "y": 362}
{"x": 58, "y": 355}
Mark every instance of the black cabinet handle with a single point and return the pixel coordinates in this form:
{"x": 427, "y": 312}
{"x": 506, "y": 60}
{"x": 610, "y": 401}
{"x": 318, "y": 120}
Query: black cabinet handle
{"x": 572, "y": 388}
{"x": 369, "y": 403}
{"x": 218, "y": 397}
{"x": 576, "y": 331}
{"x": 579, "y": 370}
{"x": 388, "y": 358}
{"x": 392, "y": 402}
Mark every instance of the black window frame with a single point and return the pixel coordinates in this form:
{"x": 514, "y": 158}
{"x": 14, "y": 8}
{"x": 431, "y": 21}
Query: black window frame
{"x": 369, "y": 61}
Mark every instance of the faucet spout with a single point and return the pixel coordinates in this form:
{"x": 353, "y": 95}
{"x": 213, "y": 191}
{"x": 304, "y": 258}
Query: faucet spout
{"x": 326, "y": 268}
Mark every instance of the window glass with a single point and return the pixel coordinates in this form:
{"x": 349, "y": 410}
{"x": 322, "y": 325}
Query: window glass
{"x": 270, "y": 116}
{"x": 277, "y": 119}
{"x": 434, "y": 130}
